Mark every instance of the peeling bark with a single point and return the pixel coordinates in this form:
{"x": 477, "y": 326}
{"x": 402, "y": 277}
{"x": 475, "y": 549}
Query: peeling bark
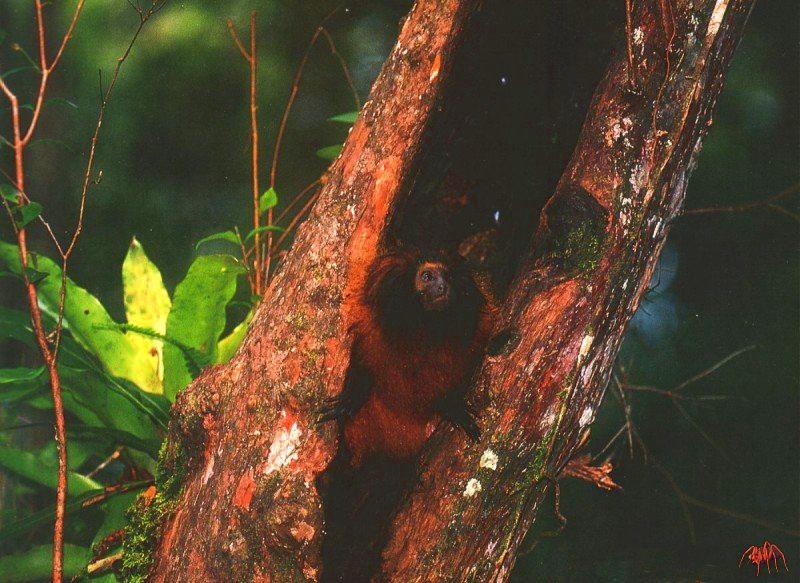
{"x": 249, "y": 509}
{"x": 563, "y": 321}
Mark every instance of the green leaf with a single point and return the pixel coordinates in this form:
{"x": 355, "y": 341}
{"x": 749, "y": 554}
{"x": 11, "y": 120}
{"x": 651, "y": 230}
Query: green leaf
{"x": 148, "y": 446}
{"x": 34, "y": 275}
{"x": 19, "y": 375}
{"x": 36, "y": 563}
{"x": 197, "y": 318}
{"x": 15, "y": 70}
{"x": 227, "y": 346}
{"x": 9, "y": 193}
{"x": 267, "y": 200}
{"x": 115, "y": 518}
{"x": 86, "y": 317}
{"x": 263, "y": 228}
{"x": 195, "y": 360}
{"x": 31, "y": 467}
{"x": 147, "y": 305}
{"x": 348, "y": 118}
{"x": 330, "y": 153}
{"x": 26, "y": 213}
{"x": 228, "y": 236}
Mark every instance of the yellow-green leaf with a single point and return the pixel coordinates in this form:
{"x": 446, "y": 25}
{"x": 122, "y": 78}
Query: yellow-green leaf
{"x": 147, "y": 305}
{"x": 227, "y": 346}
{"x": 88, "y": 320}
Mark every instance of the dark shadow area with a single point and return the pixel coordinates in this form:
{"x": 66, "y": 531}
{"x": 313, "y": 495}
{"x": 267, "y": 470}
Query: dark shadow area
{"x": 505, "y": 128}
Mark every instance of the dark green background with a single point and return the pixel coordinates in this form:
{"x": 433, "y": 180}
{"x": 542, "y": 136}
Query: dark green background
{"x": 175, "y": 161}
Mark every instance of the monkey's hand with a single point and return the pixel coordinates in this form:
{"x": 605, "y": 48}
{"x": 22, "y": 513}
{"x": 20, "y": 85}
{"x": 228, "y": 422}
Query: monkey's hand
{"x": 350, "y": 400}
{"x": 454, "y": 408}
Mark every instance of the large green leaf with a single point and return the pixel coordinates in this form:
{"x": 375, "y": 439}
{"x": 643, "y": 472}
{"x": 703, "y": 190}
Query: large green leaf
{"x": 36, "y": 564}
{"x": 197, "y": 318}
{"x": 86, "y": 317}
{"x": 31, "y": 467}
{"x": 227, "y": 346}
{"x": 147, "y": 305}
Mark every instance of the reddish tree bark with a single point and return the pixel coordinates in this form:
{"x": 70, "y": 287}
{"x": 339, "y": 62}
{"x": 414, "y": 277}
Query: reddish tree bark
{"x": 249, "y": 509}
{"x": 474, "y": 503}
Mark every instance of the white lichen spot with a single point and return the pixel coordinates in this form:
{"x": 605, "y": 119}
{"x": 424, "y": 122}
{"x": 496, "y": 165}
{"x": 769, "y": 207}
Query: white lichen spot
{"x": 586, "y": 344}
{"x": 473, "y": 487}
{"x": 586, "y": 416}
{"x": 283, "y": 450}
{"x": 625, "y": 284}
{"x": 638, "y": 35}
{"x": 637, "y": 177}
{"x": 488, "y": 460}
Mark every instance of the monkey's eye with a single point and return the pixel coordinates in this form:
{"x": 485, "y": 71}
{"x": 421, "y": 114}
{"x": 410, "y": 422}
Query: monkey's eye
{"x": 426, "y": 276}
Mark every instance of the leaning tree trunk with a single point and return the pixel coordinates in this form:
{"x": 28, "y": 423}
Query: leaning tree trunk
{"x": 243, "y": 451}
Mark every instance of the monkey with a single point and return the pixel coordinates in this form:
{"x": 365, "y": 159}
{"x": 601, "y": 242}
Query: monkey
{"x": 420, "y": 324}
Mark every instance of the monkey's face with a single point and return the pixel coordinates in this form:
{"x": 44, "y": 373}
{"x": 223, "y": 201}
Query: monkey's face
{"x": 432, "y": 285}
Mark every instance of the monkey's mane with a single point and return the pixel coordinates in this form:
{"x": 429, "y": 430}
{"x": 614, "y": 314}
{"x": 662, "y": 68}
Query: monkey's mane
{"x": 389, "y": 292}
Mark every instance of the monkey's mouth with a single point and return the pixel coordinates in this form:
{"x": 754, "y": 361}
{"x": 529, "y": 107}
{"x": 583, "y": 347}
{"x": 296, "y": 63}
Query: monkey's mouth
{"x": 437, "y": 302}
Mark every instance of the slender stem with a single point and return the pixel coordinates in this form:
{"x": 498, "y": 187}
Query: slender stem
{"x": 49, "y": 351}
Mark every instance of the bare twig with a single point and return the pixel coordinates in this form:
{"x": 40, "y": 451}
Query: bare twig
{"x": 298, "y": 76}
{"x": 251, "y": 57}
{"x": 48, "y": 348}
{"x": 343, "y": 64}
{"x": 293, "y": 224}
{"x": 713, "y": 368}
{"x": 768, "y": 202}
{"x": 687, "y": 499}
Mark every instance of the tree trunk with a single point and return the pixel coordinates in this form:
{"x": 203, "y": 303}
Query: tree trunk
{"x": 563, "y": 324}
{"x": 243, "y": 445}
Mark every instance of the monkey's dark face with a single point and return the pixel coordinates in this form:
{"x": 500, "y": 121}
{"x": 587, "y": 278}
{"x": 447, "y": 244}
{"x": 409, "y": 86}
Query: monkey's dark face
{"x": 432, "y": 284}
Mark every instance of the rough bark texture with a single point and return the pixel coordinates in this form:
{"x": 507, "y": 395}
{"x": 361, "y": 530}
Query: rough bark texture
{"x": 566, "y": 312}
{"x": 248, "y": 508}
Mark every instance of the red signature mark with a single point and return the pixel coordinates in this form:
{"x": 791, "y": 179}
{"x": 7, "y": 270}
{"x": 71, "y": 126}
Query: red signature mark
{"x": 767, "y": 554}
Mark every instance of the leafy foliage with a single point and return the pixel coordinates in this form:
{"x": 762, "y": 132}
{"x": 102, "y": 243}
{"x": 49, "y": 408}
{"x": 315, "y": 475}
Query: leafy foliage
{"x": 118, "y": 381}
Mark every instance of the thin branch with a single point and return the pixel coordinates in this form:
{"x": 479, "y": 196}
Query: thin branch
{"x": 768, "y": 202}
{"x": 713, "y": 368}
{"x": 293, "y": 224}
{"x": 293, "y": 95}
{"x": 49, "y": 351}
{"x": 343, "y": 64}
{"x": 689, "y": 499}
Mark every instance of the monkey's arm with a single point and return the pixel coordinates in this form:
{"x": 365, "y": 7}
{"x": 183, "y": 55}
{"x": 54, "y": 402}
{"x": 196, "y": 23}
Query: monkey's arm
{"x": 353, "y": 396}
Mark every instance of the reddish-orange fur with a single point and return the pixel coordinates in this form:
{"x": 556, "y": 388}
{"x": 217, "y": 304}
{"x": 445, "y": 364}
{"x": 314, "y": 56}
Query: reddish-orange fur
{"x": 407, "y": 378}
